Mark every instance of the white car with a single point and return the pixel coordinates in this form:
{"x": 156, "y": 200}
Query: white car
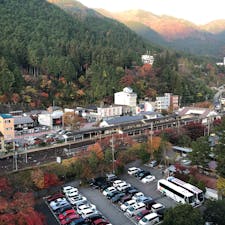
{"x": 76, "y": 199}
{"x": 138, "y": 195}
{"x": 135, "y": 209}
{"x": 127, "y": 204}
{"x": 88, "y": 212}
{"x": 72, "y": 193}
{"x": 69, "y": 189}
{"x": 123, "y": 187}
{"x": 149, "y": 219}
{"x": 157, "y": 207}
{"x": 133, "y": 170}
{"x": 148, "y": 179}
{"x": 81, "y": 208}
{"x": 58, "y": 203}
{"x": 118, "y": 182}
{"x": 108, "y": 190}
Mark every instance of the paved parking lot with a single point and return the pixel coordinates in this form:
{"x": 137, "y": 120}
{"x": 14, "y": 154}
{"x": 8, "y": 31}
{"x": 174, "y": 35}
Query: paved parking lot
{"x": 113, "y": 214}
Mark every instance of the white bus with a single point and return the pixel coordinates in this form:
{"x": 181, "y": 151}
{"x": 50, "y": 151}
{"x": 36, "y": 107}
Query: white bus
{"x": 198, "y": 193}
{"x": 175, "y": 192}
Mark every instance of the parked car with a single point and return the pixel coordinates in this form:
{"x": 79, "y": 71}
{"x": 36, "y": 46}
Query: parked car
{"x": 117, "y": 197}
{"x": 138, "y": 195}
{"x": 82, "y": 208}
{"x": 125, "y": 198}
{"x": 88, "y": 212}
{"x": 148, "y": 179}
{"x": 68, "y": 189}
{"x": 66, "y": 213}
{"x": 153, "y": 163}
{"x": 100, "y": 221}
{"x": 80, "y": 221}
{"x": 69, "y": 219}
{"x": 118, "y": 182}
{"x": 108, "y": 190}
{"x": 138, "y": 172}
{"x": 149, "y": 219}
{"x": 94, "y": 217}
{"x": 144, "y": 174}
{"x": 110, "y": 195}
{"x": 133, "y": 170}
{"x": 77, "y": 198}
{"x": 156, "y": 207}
{"x": 141, "y": 214}
{"x": 135, "y": 209}
{"x": 63, "y": 209}
{"x": 57, "y": 203}
{"x": 127, "y": 204}
{"x": 123, "y": 186}
{"x": 54, "y": 197}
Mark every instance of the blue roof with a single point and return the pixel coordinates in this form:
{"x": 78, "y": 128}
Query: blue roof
{"x": 6, "y": 116}
{"x": 124, "y": 119}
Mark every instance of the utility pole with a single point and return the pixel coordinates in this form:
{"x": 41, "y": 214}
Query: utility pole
{"x": 113, "y": 153}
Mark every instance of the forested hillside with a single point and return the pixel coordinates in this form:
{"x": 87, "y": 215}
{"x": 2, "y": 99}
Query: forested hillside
{"x": 42, "y": 39}
{"x": 77, "y": 57}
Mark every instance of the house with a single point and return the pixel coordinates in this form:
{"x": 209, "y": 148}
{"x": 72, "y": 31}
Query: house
{"x": 23, "y": 123}
{"x": 147, "y": 59}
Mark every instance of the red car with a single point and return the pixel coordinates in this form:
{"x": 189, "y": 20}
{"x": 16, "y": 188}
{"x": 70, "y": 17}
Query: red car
{"x": 141, "y": 214}
{"x": 54, "y": 197}
{"x": 100, "y": 221}
{"x": 66, "y": 214}
{"x": 69, "y": 219}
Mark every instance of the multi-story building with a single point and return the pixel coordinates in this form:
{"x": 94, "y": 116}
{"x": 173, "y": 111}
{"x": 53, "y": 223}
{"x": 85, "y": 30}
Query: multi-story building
{"x": 126, "y": 97}
{"x": 147, "y": 59}
{"x": 7, "y": 126}
{"x": 167, "y": 102}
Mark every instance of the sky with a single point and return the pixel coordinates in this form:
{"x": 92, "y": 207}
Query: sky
{"x": 196, "y": 11}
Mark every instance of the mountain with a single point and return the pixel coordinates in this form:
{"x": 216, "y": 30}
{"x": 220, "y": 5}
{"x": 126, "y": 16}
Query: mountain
{"x": 48, "y": 53}
{"x": 175, "y": 33}
{"x": 214, "y": 27}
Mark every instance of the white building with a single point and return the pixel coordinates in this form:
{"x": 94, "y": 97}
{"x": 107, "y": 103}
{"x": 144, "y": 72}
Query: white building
{"x": 126, "y": 97}
{"x": 147, "y": 59}
{"x": 221, "y": 63}
{"x": 166, "y": 102}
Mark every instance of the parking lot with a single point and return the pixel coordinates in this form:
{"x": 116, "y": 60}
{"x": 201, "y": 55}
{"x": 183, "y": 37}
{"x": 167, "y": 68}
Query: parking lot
{"x": 112, "y": 211}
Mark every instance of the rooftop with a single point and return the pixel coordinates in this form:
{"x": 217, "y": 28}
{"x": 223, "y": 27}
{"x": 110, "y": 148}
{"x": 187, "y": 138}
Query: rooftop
{"x": 6, "y": 116}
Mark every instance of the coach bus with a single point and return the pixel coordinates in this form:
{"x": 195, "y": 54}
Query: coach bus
{"x": 198, "y": 193}
{"x": 175, "y": 192}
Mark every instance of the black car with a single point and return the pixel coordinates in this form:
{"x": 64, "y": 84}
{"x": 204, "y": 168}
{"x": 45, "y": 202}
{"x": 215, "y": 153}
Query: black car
{"x": 112, "y": 194}
{"x": 117, "y": 197}
{"x": 125, "y": 198}
{"x": 149, "y": 203}
{"x": 98, "y": 182}
{"x": 138, "y": 172}
{"x": 94, "y": 217}
{"x": 144, "y": 174}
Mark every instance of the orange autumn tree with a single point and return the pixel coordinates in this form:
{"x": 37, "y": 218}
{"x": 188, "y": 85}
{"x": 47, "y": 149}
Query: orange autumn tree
{"x": 97, "y": 149}
{"x": 154, "y": 144}
{"x": 37, "y": 177}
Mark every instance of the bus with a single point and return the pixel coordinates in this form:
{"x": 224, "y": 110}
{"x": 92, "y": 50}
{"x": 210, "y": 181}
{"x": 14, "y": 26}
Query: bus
{"x": 175, "y": 192}
{"x": 198, "y": 193}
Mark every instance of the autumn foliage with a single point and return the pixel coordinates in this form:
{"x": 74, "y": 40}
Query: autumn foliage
{"x": 97, "y": 149}
{"x": 17, "y": 208}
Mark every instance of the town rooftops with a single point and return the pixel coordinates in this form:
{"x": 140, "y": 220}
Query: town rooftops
{"x": 6, "y": 116}
{"x": 22, "y": 120}
{"x": 124, "y": 119}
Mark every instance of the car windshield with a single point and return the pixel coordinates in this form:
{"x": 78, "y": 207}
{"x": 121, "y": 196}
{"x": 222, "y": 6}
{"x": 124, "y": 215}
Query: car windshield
{"x": 144, "y": 220}
{"x": 131, "y": 209}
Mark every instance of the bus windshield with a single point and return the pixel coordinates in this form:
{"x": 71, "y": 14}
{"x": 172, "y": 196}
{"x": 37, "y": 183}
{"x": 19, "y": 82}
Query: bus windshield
{"x": 191, "y": 199}
{"x": 200, "y": 197}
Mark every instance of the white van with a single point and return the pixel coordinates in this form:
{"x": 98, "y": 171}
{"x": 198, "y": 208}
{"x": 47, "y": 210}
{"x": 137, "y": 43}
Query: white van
{"x": 149, "y": 219}
{"x": 135, "y": 209}
{"x": 156, "y": 207}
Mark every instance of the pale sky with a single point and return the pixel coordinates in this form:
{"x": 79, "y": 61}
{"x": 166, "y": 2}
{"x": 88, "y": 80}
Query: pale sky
{"x": 197, "y": 11}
